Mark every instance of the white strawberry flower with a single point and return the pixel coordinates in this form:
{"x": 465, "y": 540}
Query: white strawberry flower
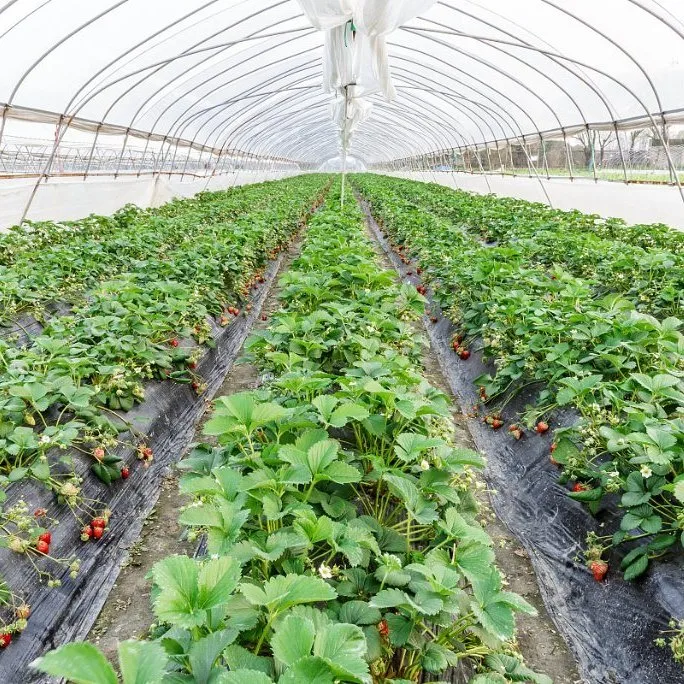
{"x": 325, "y": 572}
{"x": 646, "y": 472}
{"x": 425, "y": 464}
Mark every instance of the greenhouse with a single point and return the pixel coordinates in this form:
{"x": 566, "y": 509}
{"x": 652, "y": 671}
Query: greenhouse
{"x": 342, "y": 341}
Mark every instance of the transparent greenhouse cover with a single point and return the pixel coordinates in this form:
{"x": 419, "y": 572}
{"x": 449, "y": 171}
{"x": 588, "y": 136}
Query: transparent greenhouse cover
{"x": 485, "y": 86}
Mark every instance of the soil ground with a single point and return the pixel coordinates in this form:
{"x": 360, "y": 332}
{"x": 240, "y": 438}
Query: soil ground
{"x": 127, "y": 613}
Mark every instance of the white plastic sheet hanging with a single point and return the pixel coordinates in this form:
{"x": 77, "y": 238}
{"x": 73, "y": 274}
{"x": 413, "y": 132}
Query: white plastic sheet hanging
{"x": 349, "y": 118}
{"x": 361, "y": 60}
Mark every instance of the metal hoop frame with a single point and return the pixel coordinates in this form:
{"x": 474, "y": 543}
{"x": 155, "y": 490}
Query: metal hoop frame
{"x": 265, "y": 111}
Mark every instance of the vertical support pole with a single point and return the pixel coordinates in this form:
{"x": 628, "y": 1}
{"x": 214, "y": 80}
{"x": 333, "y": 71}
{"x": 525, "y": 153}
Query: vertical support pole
{"x": 344, "y": 145}
{"x": 567, "y": 154}
{"x": 542, "y": 146}
{"x": 674, "y": 176}
{"x": 622, "y": 156}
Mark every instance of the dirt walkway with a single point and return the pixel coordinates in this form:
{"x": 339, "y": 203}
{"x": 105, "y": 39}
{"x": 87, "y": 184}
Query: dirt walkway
{"x": 540, "y": 643}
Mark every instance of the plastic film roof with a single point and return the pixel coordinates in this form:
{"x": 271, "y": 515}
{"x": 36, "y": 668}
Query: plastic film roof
{"x": 247, "y": 75}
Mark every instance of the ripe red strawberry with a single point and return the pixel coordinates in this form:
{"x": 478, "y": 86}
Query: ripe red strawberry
{"x": 464, "y": 354}
{"x": 5, "y": 640}
{"x": 496, "y": 424}
{"x": 174, "y": 342}
{"x": 579, "y": 487}
{"x": 236, "y": 312}
{"x": 264, "y": 317}
{"x": 599, "y": 569}
{"x": 434, "y": 319}
{"x": 40, "y": 512}
{"x": 542, "y": 427}
{"x": 98, "y": 453}
{"x": 98, "y": 532}
{"x": 195, "y": 385}
{"x": 383, "y": 628}
{"x": 419, "y": 271}
{"x": 125, "y": 472}
{"x": 46, "y": 537}
{"x": 98, "y": 522}
{"x": 43, "y": 547}
{"x": 409, "y": 272}
{"x": 192, "y": 365}
{"x": 86, "y": 533}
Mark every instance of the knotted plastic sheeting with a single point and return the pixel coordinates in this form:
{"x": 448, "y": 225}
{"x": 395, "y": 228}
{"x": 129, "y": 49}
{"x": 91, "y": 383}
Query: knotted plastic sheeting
{"x": 349, "y": 117}
{"x": 357, "y": 52}
{"x": 355, "y": 61}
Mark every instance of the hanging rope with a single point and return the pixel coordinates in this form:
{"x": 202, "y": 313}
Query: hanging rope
{"x": 349, "y": 25}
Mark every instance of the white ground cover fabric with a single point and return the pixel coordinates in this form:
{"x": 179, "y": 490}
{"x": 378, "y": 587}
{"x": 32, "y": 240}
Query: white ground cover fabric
{"x": 64, "y": 199}
{"x": 633, "y": 203}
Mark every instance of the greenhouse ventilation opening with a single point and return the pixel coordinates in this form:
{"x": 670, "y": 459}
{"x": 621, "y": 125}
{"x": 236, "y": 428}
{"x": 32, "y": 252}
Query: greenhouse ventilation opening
{"x": 175, "y": 174}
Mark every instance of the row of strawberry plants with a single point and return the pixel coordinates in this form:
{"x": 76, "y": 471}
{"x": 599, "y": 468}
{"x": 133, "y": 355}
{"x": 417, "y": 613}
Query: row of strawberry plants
{"x": 127, "y": 329}
{"x": 65, "y": 394}
{"x": 546, "y": 328}
{"x": 498, "y": 217}
{"x": 339, "y": 517}
{"x": 48, "y": 262}
{"x": 644, "y": 264}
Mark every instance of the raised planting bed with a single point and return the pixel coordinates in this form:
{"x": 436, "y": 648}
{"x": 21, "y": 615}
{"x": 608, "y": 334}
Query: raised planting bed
{"x": 612, "y": 625}
{"x": 343, "y": 542}
{"x": 148, "y": 439}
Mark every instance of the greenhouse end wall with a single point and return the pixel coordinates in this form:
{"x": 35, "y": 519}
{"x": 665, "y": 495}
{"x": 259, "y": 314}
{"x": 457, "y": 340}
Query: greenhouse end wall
{"x": 632, "y": 202}
{"x": 63, "y": 199}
